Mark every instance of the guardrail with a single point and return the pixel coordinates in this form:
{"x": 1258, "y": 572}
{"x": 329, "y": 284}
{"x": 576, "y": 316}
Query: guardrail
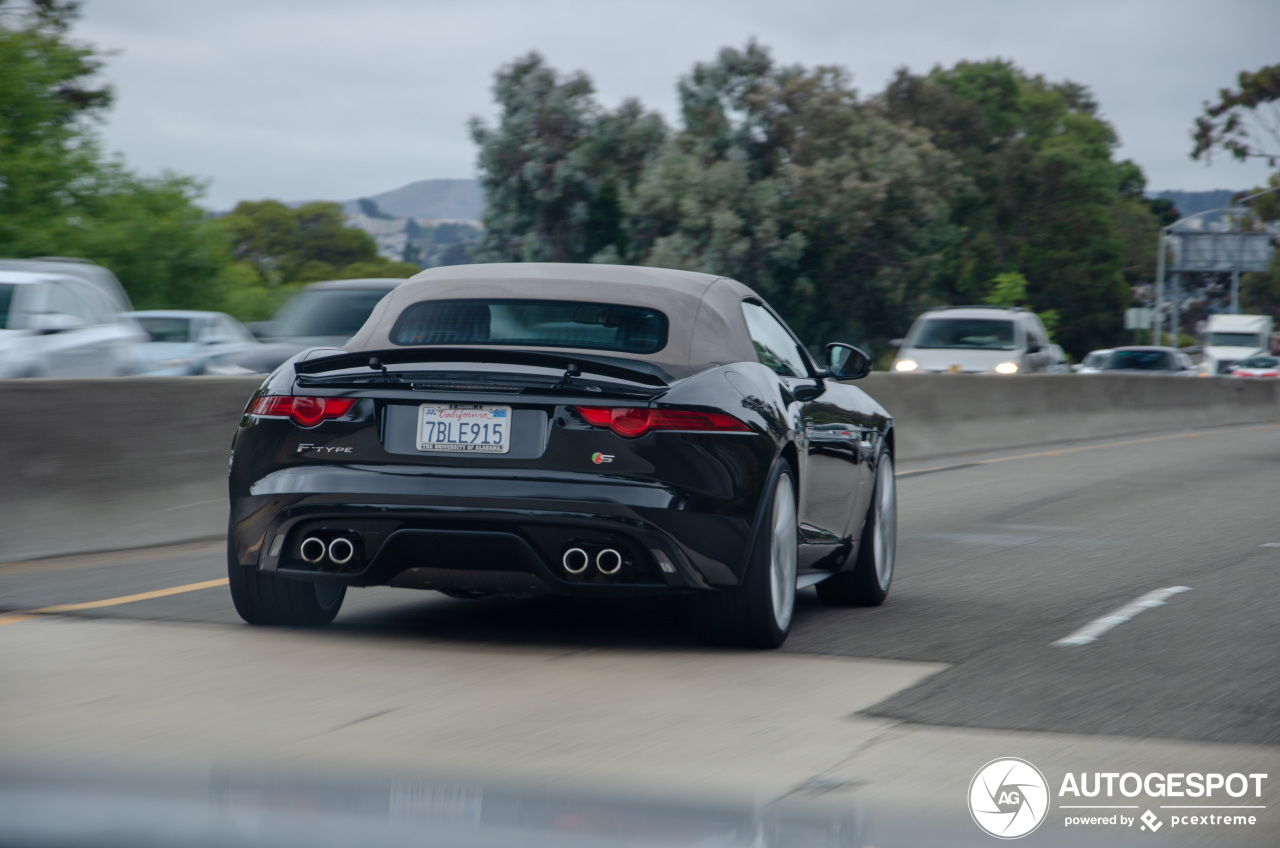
{"x": 97, "y": 465}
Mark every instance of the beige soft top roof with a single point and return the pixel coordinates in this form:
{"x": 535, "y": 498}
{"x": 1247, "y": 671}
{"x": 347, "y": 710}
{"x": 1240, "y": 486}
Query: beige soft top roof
{"x": 706, "y": 325}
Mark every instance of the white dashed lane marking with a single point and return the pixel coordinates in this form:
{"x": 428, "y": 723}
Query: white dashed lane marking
{"x": 1091, "y": 631}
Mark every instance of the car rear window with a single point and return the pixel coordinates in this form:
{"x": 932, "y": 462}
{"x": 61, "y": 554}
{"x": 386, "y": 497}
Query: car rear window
{"x": 1139, "y": 360}
{"x": 533, "y": 323}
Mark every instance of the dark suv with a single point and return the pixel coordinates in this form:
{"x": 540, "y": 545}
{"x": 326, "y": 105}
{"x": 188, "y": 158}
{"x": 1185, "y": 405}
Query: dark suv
{"x": 321, "y": 315}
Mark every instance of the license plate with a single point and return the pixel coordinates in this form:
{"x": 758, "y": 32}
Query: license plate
{"x": 464, "y": 428}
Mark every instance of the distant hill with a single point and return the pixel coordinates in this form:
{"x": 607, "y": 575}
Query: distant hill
{"x": 457, "y": 200}
{"x": 1191, "y": 202}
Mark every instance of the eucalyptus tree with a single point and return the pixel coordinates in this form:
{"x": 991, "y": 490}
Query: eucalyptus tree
{"x": 784, "y": 178}
{"x": 557, "y": 164}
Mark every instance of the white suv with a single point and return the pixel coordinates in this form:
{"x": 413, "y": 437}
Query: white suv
{"x": 977, "y": 340}
{"x": 64, "y": 318}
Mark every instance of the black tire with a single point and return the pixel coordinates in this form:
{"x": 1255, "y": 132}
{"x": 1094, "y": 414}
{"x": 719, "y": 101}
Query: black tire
{"x": 265, "y": 598}
{"x": 757, "y": 613}
{"x": 867, "y": 583}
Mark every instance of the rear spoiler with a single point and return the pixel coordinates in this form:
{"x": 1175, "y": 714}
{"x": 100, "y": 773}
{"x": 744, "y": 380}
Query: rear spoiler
{"x": 641, "y": 372}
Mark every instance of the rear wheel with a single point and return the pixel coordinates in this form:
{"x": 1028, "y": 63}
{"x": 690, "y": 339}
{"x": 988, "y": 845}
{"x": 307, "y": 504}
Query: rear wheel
{"x": 757, "y": 613}
{"x": 867, "y": 583}
{"x": 265, "y": 598}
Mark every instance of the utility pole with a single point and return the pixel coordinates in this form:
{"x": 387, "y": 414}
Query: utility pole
{"x": 1155, "y": 312}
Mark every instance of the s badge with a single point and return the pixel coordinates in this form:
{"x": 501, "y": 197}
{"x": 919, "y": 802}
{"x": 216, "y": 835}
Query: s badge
{"x": 598, "y": 458}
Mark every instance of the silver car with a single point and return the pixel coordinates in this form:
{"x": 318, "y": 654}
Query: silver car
{"x": 185, "y": 341}
{"x": 64, "y": 318}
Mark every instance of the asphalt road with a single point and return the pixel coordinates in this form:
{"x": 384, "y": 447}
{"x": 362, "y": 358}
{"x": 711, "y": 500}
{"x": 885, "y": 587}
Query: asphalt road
{"x": 1000, "y": 556}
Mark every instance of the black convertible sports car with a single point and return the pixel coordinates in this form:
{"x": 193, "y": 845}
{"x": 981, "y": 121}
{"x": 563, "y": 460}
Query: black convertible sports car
{"x": 587, "y": 430}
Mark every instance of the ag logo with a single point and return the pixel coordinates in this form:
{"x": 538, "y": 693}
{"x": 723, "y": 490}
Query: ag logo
{"x": 1008, "y": 798}
{"x": 598, "y": 458}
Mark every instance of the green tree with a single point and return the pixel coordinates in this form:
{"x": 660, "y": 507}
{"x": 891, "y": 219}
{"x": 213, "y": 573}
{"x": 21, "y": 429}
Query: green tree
{"x": 1010, "y": 289}
{"x": 48, "y": 103}
{"x": 292, "y": 245}
{"x": 1045, "y": 199}
{"x": 1245, "y": 122}
{"x": 151, "y": 234}
{"x": 60, "y": 195}
{"x": 555, "y": 168}
{"x": 784, "y": 179}
{"x": 278, "y": 249}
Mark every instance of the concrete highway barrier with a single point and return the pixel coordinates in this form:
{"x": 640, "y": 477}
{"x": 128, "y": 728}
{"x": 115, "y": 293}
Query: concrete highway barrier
{"x": 942, "y": 414}
{"x": 99, "y": 465}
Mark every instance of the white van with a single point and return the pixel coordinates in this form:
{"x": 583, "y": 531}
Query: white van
{"x": 977, "y": 340}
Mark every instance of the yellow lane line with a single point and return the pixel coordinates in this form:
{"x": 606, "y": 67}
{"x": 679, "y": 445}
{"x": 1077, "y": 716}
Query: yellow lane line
{"x": 1060, "y": 451}
{"x": 113, "y": 602}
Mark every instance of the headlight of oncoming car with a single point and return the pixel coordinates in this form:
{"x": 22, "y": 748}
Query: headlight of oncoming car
{"x": 1007, "y": 368}
{"x": 905, "y": 365}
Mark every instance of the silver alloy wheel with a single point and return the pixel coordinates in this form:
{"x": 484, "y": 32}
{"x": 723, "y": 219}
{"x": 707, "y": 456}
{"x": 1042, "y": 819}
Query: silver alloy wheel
{"x": 886, "y": 523}
{"x": 782, "y": 558}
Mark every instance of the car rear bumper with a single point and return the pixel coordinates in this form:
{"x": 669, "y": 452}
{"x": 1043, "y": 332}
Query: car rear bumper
{"x": 489, "y": 536}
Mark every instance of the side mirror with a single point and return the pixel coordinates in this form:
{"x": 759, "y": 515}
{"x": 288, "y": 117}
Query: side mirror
{"x": 896, "y": 343}
{"x": 846, "y": 362}
{"x": 1034, "y": 347}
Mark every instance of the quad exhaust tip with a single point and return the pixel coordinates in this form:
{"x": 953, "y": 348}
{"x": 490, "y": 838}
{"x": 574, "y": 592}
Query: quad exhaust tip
{"x": 609, "y": 561}
{"x": 575, "y": 560}
{"x": 341, "y": 550}
{"x": 312, "y": 549}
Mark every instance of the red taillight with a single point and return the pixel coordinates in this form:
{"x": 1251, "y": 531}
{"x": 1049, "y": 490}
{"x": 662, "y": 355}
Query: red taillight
{"x": 632, "y": 422}
{"x": 303, "y": 411}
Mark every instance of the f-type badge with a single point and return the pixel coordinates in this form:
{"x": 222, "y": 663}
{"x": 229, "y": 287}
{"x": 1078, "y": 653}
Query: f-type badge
{"x": 306, "y": 447}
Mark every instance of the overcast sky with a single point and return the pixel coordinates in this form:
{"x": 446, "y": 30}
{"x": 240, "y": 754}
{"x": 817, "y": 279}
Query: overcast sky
{"x": 298, "y": 99}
